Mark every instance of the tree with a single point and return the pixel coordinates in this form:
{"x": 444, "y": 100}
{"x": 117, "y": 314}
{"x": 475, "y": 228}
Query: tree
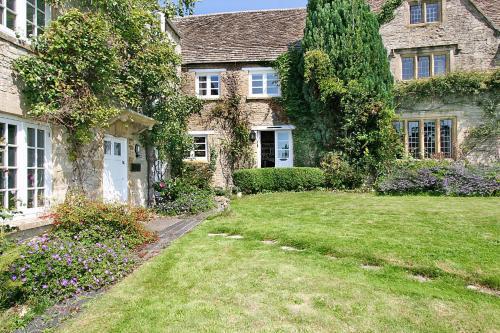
{"x": 344, "y": 92}
{"x": 100, "y": 56}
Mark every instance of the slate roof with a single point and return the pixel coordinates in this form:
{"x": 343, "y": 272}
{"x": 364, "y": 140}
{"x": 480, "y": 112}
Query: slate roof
{"x": 259, "y": 36}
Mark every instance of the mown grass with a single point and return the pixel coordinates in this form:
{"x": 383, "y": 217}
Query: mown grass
{"x": 216, "y": 284}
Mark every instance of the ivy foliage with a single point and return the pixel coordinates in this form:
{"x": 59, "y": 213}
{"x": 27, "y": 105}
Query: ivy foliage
{"x": 338, "y": 86}
{"x": 386, "y": 13}
{"x": 482, "y": 88}
{"x": 100, "y": 56}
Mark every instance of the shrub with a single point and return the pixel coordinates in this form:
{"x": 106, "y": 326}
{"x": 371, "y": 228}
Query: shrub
{"x": 198, "y": 174}
{"x": 179, "y": 196}
{"x": 339, "y": 174}
{"x": 439, "y": 178}
{"x": 278, "y": 180}
{"x": 55, "y": 267}
{"x": 102, "y": 221}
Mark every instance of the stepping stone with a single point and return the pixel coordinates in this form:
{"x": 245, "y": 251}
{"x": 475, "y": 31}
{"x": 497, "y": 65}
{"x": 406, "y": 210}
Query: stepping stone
{"x": 269, "y": 242}
{"x": 217, "y": 235}
{"x": 484, "y": 290}
{"x": 290, "y": 249}
{"x": 235, "y": 237}
{"x": 371, "y": 267}
{"x": 421, "y": 278}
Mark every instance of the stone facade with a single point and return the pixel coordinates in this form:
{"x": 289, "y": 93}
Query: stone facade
{"x": 464, "y": 32}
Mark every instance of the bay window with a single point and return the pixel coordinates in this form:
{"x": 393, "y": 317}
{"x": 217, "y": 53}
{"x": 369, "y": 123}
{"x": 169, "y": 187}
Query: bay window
{"x": 24, "y": 155}
{"x": 427, "y": 138}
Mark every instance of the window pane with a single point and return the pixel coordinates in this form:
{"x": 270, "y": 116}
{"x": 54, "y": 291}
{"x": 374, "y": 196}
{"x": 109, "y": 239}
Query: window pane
{"x": 2, "y": 23}
{"x": 214, "y": 92}
{"x": 31, "y": 198}
{"x": 11, "y": 4}
{"x": 40, "y": 179}
{"x": 257, "y": 91}
{"x": 3, "y": 179}
{"x": 413, "y": 139}
{"x": 432, "y": 12}
{"x": 199, "y": 139}
{"x": 2, "y": 156}
{"x": 40, "y": 19}
{"x": 11, "y": 20}
{"x": 12, "y": 156}
{"x": 2, "y": 134}
{"x": 446, "y": 139}
{"x": 416, "y": 13}
{"x": 40, "y": 139}
{"x": 107, "y": 147}
{"x": 408, "y": 68}
{"x": 429, "y": 139}
{"x": 30, "y": 29}
{"x": 399, "y": 128}
{"x": 41, "y": 4}
{"x": 440, "y": 64}
{"x": 12, "y": 197}
{"x": 31, "y": 177}
{"x": 214, "y": 78}
{"x": 12, "y": 178}
{"x": 272, "y": 84}
{"x": 199, "y": 153}
{"x": 30, "y": 13}
{"x": 2, "y": 200}
{"x": 40, "y": 158}
{"x": 12, "y": 134}
{"x": 31, "y": 157}
{"x": 118, "y": 149}
{"x": 41, "y": 198}
{"x": 199, "y": 146}
{"x": 31, "y": 137}
{"x": 424, "y": 66}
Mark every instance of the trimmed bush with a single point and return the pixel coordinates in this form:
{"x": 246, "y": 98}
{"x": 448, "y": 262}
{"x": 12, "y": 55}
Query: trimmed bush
{"x": 278, "y": 180}
{"x": 439, "y": 178}
{"x": 180, "y": 196}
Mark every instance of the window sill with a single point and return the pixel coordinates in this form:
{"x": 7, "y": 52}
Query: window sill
{"x": 209, "y": 98}
{"x": 249, "y": 98}
{"x": 423, "y": 25}
{"x": 196, "y": 160}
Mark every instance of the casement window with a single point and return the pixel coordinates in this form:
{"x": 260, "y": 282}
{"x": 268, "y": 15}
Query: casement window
{"x": 8, "y": 14}
{"x": 24, "y": 155}
{"x": 420, "y": 66}
{"x": 208, "y": 85}
{"x": 200, "y": 147}
{"x": 263, "y": 83}
{"x": 427, "y": 138}
{"x": 35, "y": 17}
{"x": 425, "y": 12}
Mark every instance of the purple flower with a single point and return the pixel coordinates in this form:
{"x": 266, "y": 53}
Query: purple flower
{"x": 13, "y": 277}
{"x": 45, "y": 286}
{"x": 64, "y": 282}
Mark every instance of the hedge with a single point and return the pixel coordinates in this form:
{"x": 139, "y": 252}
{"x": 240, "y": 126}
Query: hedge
{"x": 251, "y": 181}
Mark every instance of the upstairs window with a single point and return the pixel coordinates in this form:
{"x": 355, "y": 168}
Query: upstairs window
{"x": 423, "y": 66}
{"x": 8, "y": 13}
{"x": 35, "y": 17}
{"x": 208, "y": 84}
{"x": 425, "y": 12}
{"x": 263, "y": 83}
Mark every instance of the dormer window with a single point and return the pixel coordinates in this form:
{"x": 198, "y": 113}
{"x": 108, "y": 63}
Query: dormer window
{"x": 425, "y": 12}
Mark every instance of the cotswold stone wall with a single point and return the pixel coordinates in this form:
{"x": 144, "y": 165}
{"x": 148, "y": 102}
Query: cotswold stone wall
{"x": 260, "y": 111}
{"x": 477, "y": 42}
{"x": 10, "y": 100}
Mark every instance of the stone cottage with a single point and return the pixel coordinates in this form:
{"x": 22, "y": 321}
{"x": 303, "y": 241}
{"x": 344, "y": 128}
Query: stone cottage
{"x": 425, "y": 39}
{"x": 35, "y": 168}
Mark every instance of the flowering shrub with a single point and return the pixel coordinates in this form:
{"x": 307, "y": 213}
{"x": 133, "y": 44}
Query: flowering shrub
{"x": 175, "y": 197}
{"x": 452, "y": 179}
{"x": 101, "y": 221}
{"x": 56, "y": 267}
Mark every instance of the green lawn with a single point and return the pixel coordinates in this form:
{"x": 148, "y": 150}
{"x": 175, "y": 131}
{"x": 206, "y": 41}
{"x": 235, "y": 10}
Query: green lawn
{"x": 216, "y": 284}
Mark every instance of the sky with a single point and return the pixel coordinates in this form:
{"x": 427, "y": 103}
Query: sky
{"x": 220, "y": 6}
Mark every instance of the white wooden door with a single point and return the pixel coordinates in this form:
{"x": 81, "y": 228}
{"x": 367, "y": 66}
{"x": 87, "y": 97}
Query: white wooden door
{"x": 115, "y": 176}
{"x": 284, "y": 149}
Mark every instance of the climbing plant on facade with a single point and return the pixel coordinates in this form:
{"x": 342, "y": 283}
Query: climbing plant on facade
{"x": 102, "y": 56}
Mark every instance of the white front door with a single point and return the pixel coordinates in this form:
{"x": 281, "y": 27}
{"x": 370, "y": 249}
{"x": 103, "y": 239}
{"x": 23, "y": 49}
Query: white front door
{"x": 115, "y": 178}
{"x": 284, "y": 149}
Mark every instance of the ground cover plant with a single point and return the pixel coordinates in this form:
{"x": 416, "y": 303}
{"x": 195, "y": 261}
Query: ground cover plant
{"x": 319, "y": 262}
{"x": 440, "y": 178}
{"x": 91, "y": 246}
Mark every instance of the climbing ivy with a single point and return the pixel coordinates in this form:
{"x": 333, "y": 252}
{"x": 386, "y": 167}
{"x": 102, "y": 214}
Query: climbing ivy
{"x": 386, "y": 13}
{"x": 481, "y": 88}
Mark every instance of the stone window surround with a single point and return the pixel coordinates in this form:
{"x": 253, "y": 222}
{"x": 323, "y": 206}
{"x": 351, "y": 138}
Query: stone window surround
{"x": 204, "y": 134}
{"x": 208, "y": 73}
{"x": 421, "y": 144}
{"x": 21, "y": 20}
{"x": 407, "y": 5}
{"x": 450, "y": 50}
{"x": 22, "y": 164}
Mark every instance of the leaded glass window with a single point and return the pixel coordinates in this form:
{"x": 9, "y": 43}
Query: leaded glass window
{"x": 446, "y": 138}
{"x": 414, "y": 139}
{"x": 429, "y": 138}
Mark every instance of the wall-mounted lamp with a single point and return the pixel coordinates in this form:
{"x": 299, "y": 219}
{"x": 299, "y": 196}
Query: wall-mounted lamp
{"x": 253, "y": 136}
{"x": 137, "y": 150}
